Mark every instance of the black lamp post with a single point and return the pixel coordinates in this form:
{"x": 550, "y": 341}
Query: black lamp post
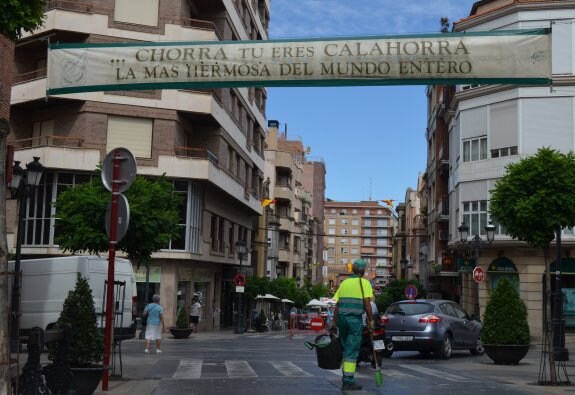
{"x": 241, "y": 250}
{"x": 22, "y": 184}
{"x": 475, "y": 244}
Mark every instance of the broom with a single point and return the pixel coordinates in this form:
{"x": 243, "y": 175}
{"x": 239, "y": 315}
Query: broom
{"x": 378, "y": 375}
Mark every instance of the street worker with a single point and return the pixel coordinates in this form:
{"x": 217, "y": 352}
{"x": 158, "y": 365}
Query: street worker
{"x": 353, "y": 298}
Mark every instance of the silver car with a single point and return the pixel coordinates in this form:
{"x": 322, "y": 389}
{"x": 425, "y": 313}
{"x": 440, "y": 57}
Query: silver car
{"x": 431, "y": 326}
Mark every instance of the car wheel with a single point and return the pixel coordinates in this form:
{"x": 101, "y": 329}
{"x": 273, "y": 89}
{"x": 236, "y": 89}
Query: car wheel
{"x": 446, "y": 348}
{"x": 478, "y": 349}
{"x": 387, "y": 352}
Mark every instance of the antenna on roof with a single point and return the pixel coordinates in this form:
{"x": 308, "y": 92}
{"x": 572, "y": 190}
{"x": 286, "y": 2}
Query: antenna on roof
{"x": 369, "y": 188}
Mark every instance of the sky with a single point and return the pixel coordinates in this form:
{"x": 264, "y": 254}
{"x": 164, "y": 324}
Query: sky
{"x": 371, "y": 139}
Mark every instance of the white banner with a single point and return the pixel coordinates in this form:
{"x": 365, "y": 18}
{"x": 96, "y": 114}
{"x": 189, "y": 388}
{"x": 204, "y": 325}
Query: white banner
{"x": 494, "y": 57}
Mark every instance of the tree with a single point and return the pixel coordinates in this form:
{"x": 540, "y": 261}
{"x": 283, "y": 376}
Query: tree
{"x": 444, "y": 22}
{"x": 154, "y": 219}
{"x": 533, "y": 201}
{"x": 16, "y": 16}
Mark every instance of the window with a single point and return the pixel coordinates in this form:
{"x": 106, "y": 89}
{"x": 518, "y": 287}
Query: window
{"x": 146, "y": 14}
{"x": 475, "y": 216}
{"x": 501, "y": 152}
{"x": 345, "y": 231}
{"x": 354, "y": 251}
{"x": 331, "y": 221}
{"x": 367, "y": 212}
{"x": 475, "y": 149}
{"x": 344, "y": 222}
{"x": 355, "y": 222}
{"x": 355, "y": 241}
{"x": 332, "y": 211}
{"x": 367, "y": 222}
{"x": 344, "y": 250}
{"x": 343, "y": 260}
{"x": 331, "y": 240}
{"x": 344, "y": 240}
{"x": 331, "y": 231}
{"x": 355, "y": 231}
{"x": 135, "y": 134}
{"x": 379, "y": 212}
{"x": 354, "y": 211}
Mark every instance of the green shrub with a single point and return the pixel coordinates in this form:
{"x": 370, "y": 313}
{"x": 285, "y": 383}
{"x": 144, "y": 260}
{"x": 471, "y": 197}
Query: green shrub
{"x": 505, "y": 317}
{"x": 183, "y": 320}
{"x": 86, "y": 344}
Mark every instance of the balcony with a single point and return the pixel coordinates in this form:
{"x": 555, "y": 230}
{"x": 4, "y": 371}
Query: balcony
{"x": 443, "y": 209}
{"x": 189, "y": 152}
{"x": 48, "y": 141}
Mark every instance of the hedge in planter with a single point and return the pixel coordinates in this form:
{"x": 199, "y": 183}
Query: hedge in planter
{"x": 86, "y": 343}
{"x": 182, "y": 329}
{"x": 505, "y": 323}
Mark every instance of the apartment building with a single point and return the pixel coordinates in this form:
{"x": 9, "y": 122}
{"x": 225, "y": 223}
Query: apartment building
{"x": 314, "y": 172}
{"x": 209, "y": 142}
{"x": 358, "y": 230}
{"x": 290, "y": 225}
{"x": 490, "y": 126}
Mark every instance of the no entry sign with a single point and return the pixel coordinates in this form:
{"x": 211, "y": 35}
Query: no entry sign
{"x": 478, "y": 274}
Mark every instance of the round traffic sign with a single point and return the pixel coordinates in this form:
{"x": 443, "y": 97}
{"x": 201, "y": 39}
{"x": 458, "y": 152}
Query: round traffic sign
{"x": 317, "y": 323}
{"x": 127, "y": 169}
{"x": 240, "y": 279}
{"x": 411, "y": 291}
{"x": 478, "y": 274}
{"x": 123, "y": 220}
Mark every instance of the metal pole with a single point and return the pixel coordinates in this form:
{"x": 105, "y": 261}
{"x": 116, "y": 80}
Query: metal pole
{"x": 239, "y": 321}
{"x": 17, "y": 281}
{"x": 559, "y": 350}
{"x": 476, "y": 242}
{"x": 111, "y": 269}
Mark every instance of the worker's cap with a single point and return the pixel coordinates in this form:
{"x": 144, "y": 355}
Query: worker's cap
{"x": 360, "y": 264}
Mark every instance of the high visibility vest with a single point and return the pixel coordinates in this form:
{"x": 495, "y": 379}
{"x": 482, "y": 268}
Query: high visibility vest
{"x": 349, "y": 296}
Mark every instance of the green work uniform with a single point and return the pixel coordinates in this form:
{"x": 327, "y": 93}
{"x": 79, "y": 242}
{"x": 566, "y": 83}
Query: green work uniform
{"x": 349, "y": 321}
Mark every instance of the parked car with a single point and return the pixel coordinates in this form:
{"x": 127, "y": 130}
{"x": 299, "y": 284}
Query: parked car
{"x": 432, "y": 326}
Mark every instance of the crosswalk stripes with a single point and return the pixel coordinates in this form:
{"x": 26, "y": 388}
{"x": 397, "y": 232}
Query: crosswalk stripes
{"x": 433, "y": 372}
{"x": 238, "y": 369}
{"x": 289, "y": 369}
{"x": 189, "y": 369}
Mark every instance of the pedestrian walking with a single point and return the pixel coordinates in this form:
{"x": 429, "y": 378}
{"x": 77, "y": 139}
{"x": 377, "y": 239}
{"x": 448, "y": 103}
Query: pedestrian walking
{"x": 195, "y": 313}
{"x": 353, "y": 298}
{"x": 154, "y": 313}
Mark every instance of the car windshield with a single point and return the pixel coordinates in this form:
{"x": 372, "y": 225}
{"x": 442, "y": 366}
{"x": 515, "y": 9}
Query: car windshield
{"x": 410, "y": 308}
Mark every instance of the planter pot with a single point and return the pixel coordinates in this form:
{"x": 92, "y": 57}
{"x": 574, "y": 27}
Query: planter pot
{"x": 506, "y": 354}
{"x": 86, "y": 380}
{"x": 181, "y": 333}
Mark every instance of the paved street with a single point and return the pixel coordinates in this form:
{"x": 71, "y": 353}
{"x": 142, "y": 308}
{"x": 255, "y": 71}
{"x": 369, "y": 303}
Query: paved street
{"x": 222, "y": 363}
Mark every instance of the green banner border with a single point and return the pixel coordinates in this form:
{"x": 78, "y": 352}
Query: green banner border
{"x": 528, "y": 32}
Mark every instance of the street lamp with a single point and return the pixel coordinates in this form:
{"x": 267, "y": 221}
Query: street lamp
{"x": 241, "y": 250}
{"x": 475, "y": 244}
{"x": 22, "y": 184}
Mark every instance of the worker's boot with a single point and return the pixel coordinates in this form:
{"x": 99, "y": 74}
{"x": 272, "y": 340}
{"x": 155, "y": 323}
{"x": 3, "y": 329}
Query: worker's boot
{"x": 351, "y": 387}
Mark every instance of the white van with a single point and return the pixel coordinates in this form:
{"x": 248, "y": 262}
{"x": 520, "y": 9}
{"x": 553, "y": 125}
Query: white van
{"x": 47, "y": 281}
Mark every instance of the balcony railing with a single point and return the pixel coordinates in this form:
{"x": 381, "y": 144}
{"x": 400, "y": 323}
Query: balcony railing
{"x": 192, "y": 23}
{"x": 30, "y": 76}
{"x": 71, "y": 5}
{"x": 48, "y": 141}
{"x": 190, "y": 152}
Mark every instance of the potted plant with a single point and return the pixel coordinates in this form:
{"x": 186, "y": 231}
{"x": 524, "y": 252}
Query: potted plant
{"x": 182, "y": 329}
{"x": 86, "y": 342}
{"x": 505, "y": 330}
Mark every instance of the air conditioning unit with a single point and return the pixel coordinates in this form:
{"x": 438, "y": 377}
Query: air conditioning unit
{"x": 443, "y": 235}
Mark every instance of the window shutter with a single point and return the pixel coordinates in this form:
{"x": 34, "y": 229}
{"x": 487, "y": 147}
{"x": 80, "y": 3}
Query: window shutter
{"x": 134, "y": 134}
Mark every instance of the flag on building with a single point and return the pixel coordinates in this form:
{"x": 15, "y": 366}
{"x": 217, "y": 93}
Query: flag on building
{"x": 267, "y": 202}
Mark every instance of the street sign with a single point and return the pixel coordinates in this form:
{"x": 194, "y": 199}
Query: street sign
{"x": 478, "y": 274}
{"x": 123, "y": 217}
{"x": 240, "y": 279}
{"x": 240, "y": 289}
{"x": 128, "y": 169}
{"x": 317, "y": 324}
{"x": 411, "y": 292}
